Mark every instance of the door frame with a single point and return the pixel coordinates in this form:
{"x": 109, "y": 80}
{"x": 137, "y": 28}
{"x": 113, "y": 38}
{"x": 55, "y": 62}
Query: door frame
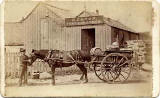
{"x": 83, "y": 31}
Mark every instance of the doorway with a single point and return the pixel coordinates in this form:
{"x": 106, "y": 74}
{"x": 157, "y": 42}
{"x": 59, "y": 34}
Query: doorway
{"x": 87, "y": 39}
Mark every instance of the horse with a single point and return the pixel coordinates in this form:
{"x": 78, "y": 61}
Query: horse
{"x": 57, "y": 59}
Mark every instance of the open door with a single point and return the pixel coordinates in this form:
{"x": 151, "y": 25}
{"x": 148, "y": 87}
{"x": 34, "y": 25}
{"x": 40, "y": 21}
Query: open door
{"x": 87, "y": 39}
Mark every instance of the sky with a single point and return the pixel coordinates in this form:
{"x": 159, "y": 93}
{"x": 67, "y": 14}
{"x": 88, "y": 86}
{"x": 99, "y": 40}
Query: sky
{"x": 135, "y": 15}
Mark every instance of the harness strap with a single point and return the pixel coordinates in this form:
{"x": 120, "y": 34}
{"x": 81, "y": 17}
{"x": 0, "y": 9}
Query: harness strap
{"x": 72, "y": 58}
{"x": 49, "y": 54}
{"x": 57, "y": 58}
{"x": 77, "y": 56}
{"x": 48, "y": 57}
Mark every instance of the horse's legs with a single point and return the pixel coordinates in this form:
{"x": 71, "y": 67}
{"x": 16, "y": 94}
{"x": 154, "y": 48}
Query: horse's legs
{"x": 81, "y": 68}
{"x": 84, "y": 70}
{"x": 85, "y": 73}
{"x": 53, "y": 74}
{"x": 81, "y": 78}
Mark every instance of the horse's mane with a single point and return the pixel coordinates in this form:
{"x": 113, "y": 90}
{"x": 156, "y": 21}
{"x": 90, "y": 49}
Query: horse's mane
{"x": 40, "y": 53}
{"x": 43, "y": 53}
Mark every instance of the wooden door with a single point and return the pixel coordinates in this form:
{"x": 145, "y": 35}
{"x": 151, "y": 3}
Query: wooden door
{"x": 87, "y": 39}
{"x": 44, "y": 33}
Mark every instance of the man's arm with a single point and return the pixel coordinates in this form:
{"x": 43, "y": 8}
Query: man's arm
{"x": 23, "y": 60}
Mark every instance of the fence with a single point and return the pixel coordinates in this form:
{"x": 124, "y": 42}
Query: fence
{"x": 12, "y": 65}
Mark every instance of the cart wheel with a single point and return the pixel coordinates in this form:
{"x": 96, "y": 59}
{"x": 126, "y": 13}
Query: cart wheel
{"x": 97, "y": 70}
{"x": 115, "y": 68}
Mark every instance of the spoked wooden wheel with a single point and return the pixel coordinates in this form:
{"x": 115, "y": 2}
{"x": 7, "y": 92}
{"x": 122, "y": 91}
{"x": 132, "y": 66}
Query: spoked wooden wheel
{"x": 97, "y": 70}
{"x": 115, "y": 68}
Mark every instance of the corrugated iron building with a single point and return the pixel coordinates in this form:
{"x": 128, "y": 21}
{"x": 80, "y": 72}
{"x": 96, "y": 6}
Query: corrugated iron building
{"x": 13, "y": 36}
{"x": 48, "y": 27}
{"x": 13, "y": 33}
{"x": 88, "y": 30}
{"x": 43, "y": 27}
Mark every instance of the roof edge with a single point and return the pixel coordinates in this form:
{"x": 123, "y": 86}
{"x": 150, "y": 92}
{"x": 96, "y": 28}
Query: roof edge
{"x": 14, "y": 44}
{"x": 12, "y": 22}
{"x": 30, "y": 12}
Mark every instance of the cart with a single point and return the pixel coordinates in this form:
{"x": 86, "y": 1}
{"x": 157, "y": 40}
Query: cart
{"x": 113, "y": 66}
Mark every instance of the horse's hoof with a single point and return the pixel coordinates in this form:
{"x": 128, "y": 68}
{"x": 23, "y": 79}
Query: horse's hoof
{"x": 85, "y": 81}
{"x": 25, "y": 85}
{"x": 20, "y": 85}
{"x": 81, "y": 78}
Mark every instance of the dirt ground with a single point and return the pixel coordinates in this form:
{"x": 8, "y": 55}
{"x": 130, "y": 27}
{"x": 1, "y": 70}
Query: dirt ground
{"x": 139, "y": 84}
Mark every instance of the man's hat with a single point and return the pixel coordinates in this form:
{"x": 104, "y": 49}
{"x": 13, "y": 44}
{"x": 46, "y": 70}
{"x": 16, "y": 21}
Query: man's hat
{"x": 22, "y": 50}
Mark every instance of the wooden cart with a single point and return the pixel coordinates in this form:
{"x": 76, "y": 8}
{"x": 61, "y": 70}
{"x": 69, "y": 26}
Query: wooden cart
{"x": 113, "y": 66}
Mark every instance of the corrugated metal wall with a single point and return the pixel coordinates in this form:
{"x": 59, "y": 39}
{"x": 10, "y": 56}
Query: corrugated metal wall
{"x": 33, "y": 29}
{"x": 103, "y": 36}
{"x": 13, "y": 33}
{"x": 127, "y": 35}
{"x": 45, "y": 30}
{"x": 134, "y": 36}
{"x": 63, "y": 38}
{"x": 72, "y": 36}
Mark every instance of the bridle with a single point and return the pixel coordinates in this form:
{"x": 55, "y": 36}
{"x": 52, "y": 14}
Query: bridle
{"x": 33, "y": 57}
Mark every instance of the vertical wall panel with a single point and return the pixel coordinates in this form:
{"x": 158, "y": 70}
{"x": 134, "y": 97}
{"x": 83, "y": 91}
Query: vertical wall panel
{"x": 32, "y": 27}
{"x": 103, "y": 43}
{"x": 72, "y": 39}
{"x": 97, "y": 38}
{"x": 66, "y": 38}
{"x": 102, "y": 36}
{"x": 79, "y": 40}
{"x": 108, "y": 36}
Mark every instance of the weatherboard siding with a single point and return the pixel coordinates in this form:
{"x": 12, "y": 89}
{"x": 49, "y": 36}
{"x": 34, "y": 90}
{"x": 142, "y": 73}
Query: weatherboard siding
{"x": 127, "y": 34}
{"x": 72, "y": 36}
{"x": 33, "y": 30}
{"x": 61, "y": 37}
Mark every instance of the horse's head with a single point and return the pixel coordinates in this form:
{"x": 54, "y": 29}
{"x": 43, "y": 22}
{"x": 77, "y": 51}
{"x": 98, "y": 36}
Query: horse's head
{"x": 33, "y": 58}
{"x": 38, "y": 54}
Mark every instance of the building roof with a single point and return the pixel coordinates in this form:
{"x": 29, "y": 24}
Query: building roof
{"x": 117, "y": 24}
{"x": 61, "y": 13}
{"x": 14, "y": 30}
{"x": 108, "y": 21}
{"x": 64, "y": 13}
{"x": 14, "y": 44}
{"x": 28, "y": 10}
{"x": 13, "y": 33}
{"x": 86, "y": 13}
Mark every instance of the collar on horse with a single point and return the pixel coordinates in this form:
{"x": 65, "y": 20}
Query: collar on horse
{"x": 53, "y": 57}
{"x": 57, "y": 56}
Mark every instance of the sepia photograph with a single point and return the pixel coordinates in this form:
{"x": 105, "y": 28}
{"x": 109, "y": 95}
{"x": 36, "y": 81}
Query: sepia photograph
{"x": 78, "y": 48}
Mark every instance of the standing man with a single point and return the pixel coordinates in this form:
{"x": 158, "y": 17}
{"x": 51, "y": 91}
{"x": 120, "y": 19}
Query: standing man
{"x": 24, "y": 61}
